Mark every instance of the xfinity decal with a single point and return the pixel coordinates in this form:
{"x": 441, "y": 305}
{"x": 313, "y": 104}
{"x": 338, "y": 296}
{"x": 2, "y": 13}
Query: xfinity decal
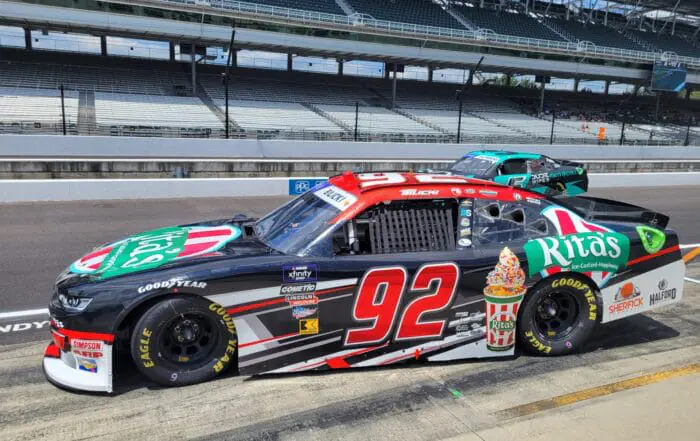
{"x": 299, "y": 273}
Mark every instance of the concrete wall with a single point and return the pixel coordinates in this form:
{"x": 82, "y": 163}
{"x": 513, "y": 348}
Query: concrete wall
{"x": 144, "y": 169}
{"x": 106, "y": 189}
{"x": 96, "y": 147}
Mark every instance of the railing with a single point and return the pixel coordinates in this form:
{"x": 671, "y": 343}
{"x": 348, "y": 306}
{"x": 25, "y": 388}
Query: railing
{"x": 484, "y": 35}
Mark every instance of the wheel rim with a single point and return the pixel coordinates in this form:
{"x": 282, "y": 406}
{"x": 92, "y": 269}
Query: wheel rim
{"x": 188, "y": 340}
{"x": 556, "y": 315}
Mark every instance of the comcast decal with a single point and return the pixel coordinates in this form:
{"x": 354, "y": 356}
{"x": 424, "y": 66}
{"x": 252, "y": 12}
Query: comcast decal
{"x": 582, "y": 252}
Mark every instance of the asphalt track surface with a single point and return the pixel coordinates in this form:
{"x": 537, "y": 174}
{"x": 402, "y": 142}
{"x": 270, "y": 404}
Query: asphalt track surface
{"x": 474, "y": 401}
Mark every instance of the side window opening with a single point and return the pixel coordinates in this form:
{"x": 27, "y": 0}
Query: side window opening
{"x": 400, "y": 227}
{"x": 502, "y": 222}
{"x": 514, "y": 167}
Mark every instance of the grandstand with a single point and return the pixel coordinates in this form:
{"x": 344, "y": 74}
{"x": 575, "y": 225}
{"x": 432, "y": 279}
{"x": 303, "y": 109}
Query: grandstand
{"x": 121, "y": 96}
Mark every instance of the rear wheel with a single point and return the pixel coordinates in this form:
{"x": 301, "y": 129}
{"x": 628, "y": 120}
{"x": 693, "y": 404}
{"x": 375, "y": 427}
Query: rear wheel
{"x": 558, "y": 316}
{"x": 183, "y": 340}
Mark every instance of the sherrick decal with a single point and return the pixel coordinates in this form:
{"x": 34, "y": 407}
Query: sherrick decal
{"x": 581, "y": 252}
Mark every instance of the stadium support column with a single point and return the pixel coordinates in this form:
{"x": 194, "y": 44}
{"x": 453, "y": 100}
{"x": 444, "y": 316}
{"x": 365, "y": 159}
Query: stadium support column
{"x": 171, "y": 50}
{"x": 658, "y": 106}
{"x": 607, "y": 87}
{"x": 542, "y": 95}
{"x": 290, "y": 61}
{"x": 103, "y": 45}
{"x": 688, "y": 92}
{"x": 28, "y": 39}
{"x": 194, "y": 68}
{"x": 341, "y": 63}
{"x": 430, "y": 73}
{"x": 63, "y": 110}
{"x": 393, "y": 90}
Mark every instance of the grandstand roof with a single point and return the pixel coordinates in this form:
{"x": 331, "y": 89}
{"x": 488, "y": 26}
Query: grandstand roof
{"x": 686, "y": 7}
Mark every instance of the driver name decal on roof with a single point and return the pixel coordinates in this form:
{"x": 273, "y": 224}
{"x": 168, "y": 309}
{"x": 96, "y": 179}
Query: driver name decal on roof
{"x": 153, "y": 249}
{"x": 340, "y": 199}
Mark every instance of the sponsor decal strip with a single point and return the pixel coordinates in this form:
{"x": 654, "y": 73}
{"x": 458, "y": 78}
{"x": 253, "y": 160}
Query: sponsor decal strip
{"x": 653, "y": 256}
{"x": 244, "y": 308}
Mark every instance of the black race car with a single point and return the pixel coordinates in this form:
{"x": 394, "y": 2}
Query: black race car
{"x": 363, "y": 270}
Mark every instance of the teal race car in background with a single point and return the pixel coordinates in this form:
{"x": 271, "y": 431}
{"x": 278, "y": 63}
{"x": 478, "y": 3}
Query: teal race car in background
{"x": 536, "y": 172}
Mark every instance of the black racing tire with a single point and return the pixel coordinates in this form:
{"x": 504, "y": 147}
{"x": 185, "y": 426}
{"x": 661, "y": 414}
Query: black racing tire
{"x": 184, "y": 340}
{"x": 558, "y": 315}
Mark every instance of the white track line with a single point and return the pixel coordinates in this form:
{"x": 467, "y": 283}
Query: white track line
{"x": 13, "y": 314}
{"x": 693, "y": 245}
{"x": 692, "y": 280}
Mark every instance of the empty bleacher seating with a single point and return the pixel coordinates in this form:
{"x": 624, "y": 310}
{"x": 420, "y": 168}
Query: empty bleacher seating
{"x": 507, "y": 23}
{"x": 265, "y": 115}
{"x": 164, "y": 115}
{"x": 598, "y": 34}
{"x": 24, "y": 110}
{"x": 421, "y": 12}
{"x": 667, "y": 42}
{"x": 326, "y": 6}
{"x": 377, "y": 120}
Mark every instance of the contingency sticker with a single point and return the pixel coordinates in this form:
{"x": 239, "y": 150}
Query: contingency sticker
{"x": 154, "y": 248}
{"x": 337, "y": 197}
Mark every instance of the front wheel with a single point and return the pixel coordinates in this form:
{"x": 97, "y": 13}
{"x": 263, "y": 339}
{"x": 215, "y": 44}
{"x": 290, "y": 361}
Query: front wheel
{"x": 184, "y": 340}
{"x": 558, "y": 316}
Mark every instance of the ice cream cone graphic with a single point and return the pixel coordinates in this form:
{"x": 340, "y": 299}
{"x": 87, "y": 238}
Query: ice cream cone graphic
{"x": 504, "y": 291}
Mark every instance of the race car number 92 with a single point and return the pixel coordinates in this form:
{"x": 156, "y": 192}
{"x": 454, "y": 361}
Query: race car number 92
{"x": 379, "y": 298}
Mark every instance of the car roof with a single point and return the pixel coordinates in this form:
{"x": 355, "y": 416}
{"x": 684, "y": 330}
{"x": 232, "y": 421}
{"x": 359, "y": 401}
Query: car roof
{"x": 503, "y": 155}
{"x": 442, "y": 185}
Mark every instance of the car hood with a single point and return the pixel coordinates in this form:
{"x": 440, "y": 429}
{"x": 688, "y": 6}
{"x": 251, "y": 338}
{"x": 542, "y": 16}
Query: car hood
{"x": 170, "y": 247}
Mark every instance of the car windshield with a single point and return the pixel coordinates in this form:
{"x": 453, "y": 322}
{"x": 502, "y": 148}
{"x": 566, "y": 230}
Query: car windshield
{"x": 473, "y": 165}
{"x": 291, "y": 227}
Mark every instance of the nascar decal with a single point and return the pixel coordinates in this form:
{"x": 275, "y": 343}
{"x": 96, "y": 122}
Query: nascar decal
{"x": 154, "y": 248}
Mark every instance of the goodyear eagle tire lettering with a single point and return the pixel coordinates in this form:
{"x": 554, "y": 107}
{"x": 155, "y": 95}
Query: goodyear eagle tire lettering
{"x": 184, "y": 340}
{"x": 558, "y": 315}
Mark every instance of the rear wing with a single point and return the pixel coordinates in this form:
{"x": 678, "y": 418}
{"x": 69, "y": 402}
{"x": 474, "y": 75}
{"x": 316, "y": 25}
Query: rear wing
{"x": 591, "y": 208}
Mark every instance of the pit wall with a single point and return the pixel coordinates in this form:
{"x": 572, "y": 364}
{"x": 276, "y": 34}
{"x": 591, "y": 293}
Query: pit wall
{"x": 30, "y": 190}
{"x": 141, "y": 169}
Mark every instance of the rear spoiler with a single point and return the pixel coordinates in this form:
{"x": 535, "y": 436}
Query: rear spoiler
{"x": 591, "y": 208}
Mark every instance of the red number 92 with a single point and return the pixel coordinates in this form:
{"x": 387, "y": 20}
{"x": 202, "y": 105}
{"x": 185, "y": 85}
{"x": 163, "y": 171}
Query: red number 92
{"x": 379, "y": 298}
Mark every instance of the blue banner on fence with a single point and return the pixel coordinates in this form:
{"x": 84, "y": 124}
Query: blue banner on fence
{"x": 299, "y": 186}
